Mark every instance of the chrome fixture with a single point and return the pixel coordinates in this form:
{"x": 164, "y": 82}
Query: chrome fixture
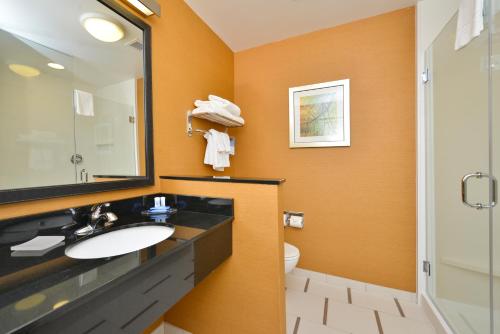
{"x": 97, "y": 217}
{"x": 84, "y": 176}
{"x": 479, "y": 206}
{"x": 76, "y": 159}
{"x": 147, "y": 7}
{"x": 293, "y": 219}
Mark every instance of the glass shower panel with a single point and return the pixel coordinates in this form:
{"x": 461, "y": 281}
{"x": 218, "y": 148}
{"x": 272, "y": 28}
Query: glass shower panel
{"x": 107, "y": 129}
{"x": 36, "y": 118}
{"x": 495, "y": 155}
{"x": 458, "y": 144}
{"x": 107, "y": 139}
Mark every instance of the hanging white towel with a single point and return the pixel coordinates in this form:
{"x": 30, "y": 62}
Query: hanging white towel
{"x": 84, "y": 103}
{"x": 211, "y": 150}
{"x": 470, "y": 22}
{"x": 218, "y": 149}
{"x": 226, "y": 104}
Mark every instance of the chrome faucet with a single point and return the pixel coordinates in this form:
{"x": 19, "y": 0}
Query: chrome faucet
{"x": 96, "y": 217}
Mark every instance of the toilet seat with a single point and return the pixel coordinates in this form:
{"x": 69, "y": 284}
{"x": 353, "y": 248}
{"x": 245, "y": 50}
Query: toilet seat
{"x": 291, "y": 252}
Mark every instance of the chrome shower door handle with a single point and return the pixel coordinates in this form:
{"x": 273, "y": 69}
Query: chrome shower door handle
{"x": 479, "y": 206}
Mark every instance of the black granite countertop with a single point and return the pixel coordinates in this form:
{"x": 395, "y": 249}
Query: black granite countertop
{"x": 228, "y": 179}
{"x": 33, "y": 286}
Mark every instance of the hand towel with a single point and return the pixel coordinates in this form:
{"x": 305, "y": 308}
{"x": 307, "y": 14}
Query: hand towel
{"x": 228, "y": 105}
{"x": 83, "y": 103}
{"x": 470, "y": 22}
{"x": 218, "y": 149}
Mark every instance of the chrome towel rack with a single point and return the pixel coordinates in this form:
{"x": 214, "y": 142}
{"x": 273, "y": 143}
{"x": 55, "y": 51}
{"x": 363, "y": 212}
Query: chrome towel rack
{"x": 210, "y": 116}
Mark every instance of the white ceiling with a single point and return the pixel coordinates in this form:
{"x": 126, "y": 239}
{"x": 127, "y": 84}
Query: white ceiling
{"x": 244, "y": 24}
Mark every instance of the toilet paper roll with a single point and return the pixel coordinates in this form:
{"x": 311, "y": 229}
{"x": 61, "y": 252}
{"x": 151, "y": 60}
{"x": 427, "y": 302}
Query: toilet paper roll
{"x": 296, "y": 221}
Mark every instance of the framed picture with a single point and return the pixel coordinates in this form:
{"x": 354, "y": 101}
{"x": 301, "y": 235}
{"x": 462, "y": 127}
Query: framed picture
{"x": 319, "y": 115}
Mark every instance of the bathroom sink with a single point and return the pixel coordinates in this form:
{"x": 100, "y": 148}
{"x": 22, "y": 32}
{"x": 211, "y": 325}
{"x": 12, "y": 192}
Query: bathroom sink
{"x": 118, "y": 242}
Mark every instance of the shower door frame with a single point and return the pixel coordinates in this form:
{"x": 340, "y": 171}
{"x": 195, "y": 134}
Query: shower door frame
{"x": 425, "y": 191}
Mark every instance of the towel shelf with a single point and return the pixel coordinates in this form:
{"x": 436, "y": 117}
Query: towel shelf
{"x": 210, "y": 116}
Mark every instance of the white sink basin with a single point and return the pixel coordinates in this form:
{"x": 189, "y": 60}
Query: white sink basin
{"x": 119, "y": 242}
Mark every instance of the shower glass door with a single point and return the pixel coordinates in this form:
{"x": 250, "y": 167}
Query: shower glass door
{"x": 495, "y": 157}
{"x": 459, "y": 124}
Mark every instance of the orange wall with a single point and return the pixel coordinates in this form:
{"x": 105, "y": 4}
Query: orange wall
{"x": 189, "y": 62}
{"x": 359, "y": 202}
{"x": 246, "y": 293}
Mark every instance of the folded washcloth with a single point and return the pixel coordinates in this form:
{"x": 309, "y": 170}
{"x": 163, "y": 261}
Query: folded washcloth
{"x": 470, "y": 22}
{"x": 39, "y": 243}
{"x": 226, "y": 104}
{"x": 83, "y": 103}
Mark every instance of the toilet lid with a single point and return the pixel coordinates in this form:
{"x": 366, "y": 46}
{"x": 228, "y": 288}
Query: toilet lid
{"x": 291, "y": 251}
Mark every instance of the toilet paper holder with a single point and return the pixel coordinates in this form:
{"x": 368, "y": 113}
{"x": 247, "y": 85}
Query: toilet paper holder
{"x": 293, "y": 219}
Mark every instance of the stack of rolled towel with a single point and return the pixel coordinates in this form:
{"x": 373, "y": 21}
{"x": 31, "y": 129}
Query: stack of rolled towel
{"x": 218, "y": 105}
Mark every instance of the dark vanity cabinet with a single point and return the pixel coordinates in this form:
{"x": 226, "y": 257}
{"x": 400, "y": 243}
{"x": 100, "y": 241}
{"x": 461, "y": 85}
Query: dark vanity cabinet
{"x": 131, "y": 305}
{"x": 133, "y": 302}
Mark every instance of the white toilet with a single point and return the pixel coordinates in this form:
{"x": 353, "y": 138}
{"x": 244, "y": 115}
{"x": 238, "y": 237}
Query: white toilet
{"x": 292, "y": 256}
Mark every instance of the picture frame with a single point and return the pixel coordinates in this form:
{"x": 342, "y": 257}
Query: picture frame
{"x": 319, "y": 115}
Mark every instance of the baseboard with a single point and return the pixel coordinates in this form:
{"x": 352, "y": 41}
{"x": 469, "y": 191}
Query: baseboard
{"x": 364, "y": 286}
{"x": 434, "y": 315}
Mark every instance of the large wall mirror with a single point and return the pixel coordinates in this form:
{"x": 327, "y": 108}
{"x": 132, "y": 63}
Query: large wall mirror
{"x": 75, "y": 99}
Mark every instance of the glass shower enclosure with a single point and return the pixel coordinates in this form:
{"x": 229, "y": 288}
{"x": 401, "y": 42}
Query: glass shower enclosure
{"x": 462, "y": 93}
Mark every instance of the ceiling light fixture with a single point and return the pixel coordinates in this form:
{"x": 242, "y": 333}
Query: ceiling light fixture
{"x": 59, "y": 304}
{"x": 55, "y": 66}
{"x": 147, "y": 7}
{"x": 102, "y": 28}
{"x": 24, "y": 70}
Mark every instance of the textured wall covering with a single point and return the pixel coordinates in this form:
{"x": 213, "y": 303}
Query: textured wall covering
{"x": 359, "y": 202}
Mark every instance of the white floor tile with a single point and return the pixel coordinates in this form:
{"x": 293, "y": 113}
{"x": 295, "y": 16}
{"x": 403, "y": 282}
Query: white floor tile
{"x": 290, "y": 322}
{"x": 375, "y": 302}
{"x": 389, "y": 292}
{"x": 398, "y": 325}
{"x": 320, "y": 277}
{"x": 351, "y": 318}
{"x": 171, "y": 329}
{"x": 333, "y": 293}
{"x": 295, "y": 282}
{"x": 413, "y": 311}
{"x": 307, "y": 327}
{"x": 305, "y": 305}
{"x": 348, "y": 283}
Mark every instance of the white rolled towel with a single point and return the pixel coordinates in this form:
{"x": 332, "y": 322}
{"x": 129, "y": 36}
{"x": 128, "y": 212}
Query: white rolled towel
{"x": 209, "y": 104}
{"x": 228, "y": 105}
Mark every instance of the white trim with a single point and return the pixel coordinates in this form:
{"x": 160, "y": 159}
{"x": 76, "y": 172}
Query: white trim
{"x": 434, "y": 314}
{"x": 136, "y": 137}
{"x": 421, "y": 163}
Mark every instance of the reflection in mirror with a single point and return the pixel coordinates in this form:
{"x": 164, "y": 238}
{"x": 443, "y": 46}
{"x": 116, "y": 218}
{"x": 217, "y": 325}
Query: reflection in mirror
{"x": 71, "y": 94}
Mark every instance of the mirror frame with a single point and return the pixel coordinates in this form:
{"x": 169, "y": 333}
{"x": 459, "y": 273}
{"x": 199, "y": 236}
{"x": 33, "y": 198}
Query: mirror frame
{"x": 37, "y": 193}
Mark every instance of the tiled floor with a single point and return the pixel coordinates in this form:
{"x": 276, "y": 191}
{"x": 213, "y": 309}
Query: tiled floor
{"x": 321, "y": 304}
